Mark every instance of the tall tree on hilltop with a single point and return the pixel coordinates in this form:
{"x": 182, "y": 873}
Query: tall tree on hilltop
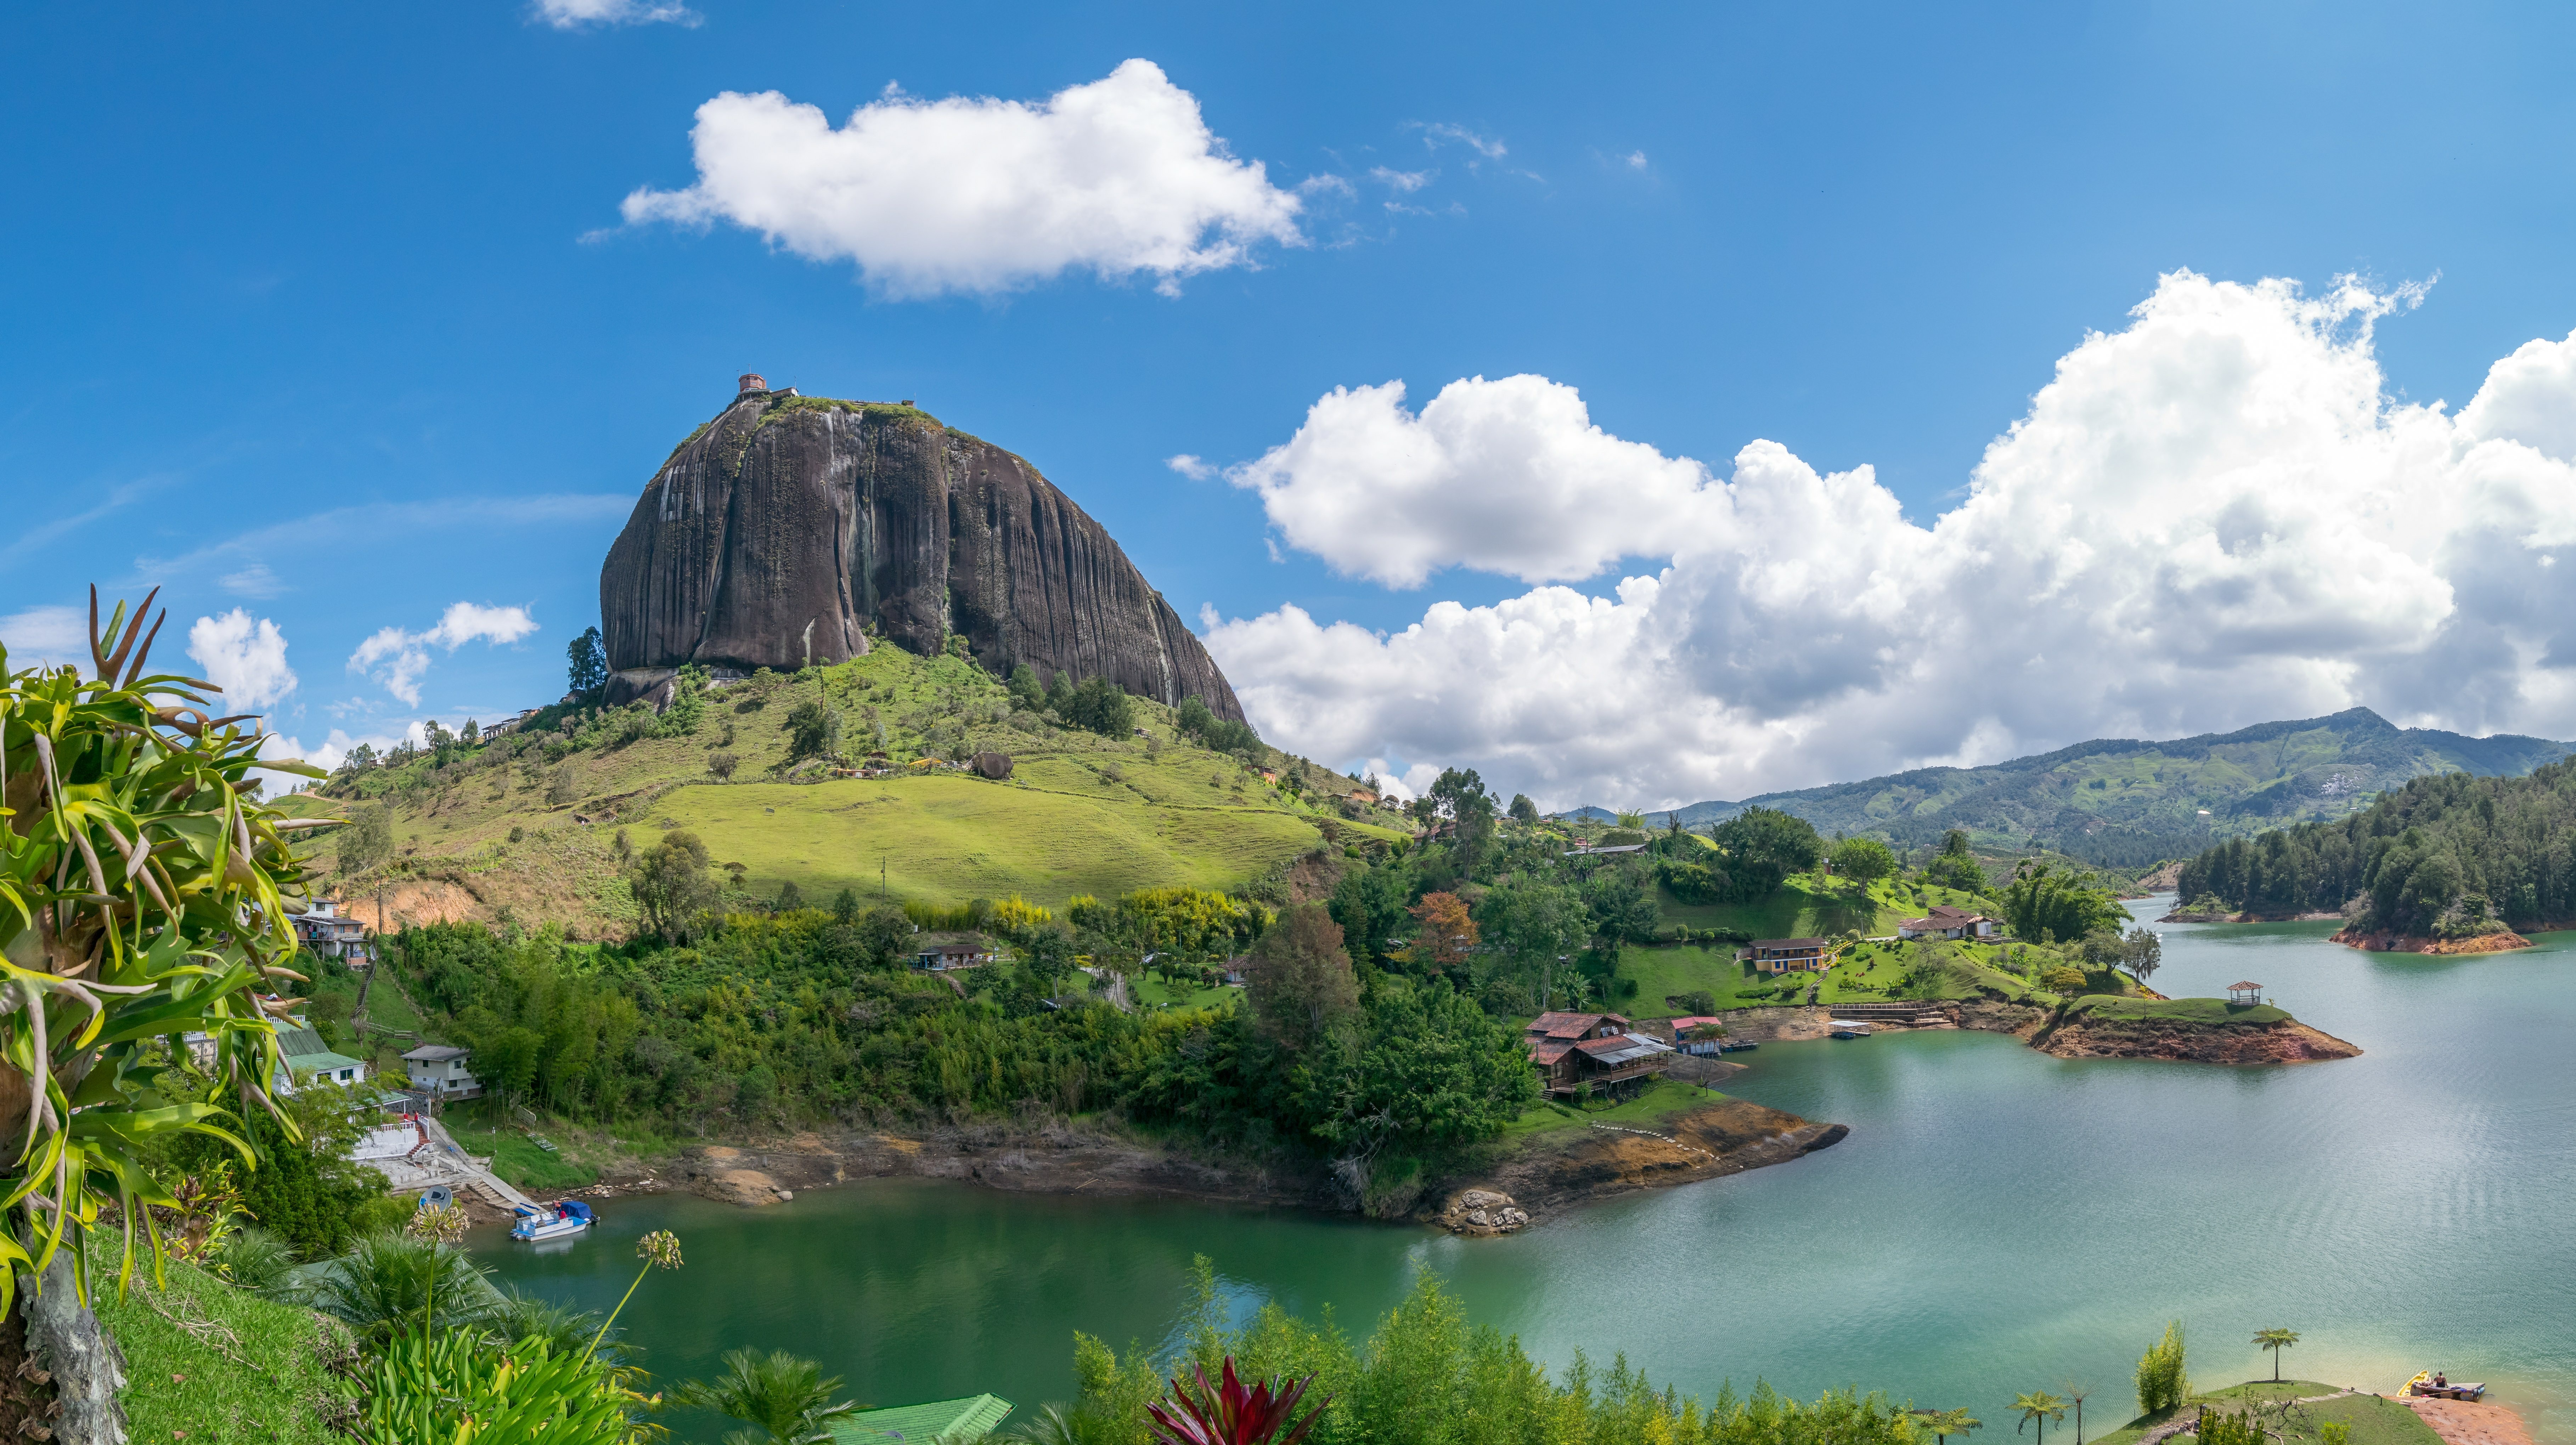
{"x": 589, "y": 670}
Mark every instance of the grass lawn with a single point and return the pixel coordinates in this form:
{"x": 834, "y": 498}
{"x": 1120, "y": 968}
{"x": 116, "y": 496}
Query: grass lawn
{"x": 1056, "y": 830}
{"x": 516, "y": 1158}
{"x": 2373, "y": 1421}
{"x": 264, "y": 1381}
{"x": 2185, "y": 1010}
{"x": 1154, "y": 992}
{"x": 1809, "y": 905}
{"x": 1866, "y": 972}
{"x": 1648, "y": 1110}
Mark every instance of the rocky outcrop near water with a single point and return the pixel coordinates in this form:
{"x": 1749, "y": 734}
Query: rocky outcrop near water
{"x": 2382, "y": 942}
{"x": 2263, "y": 1036}
{"x": 794, "y": 529}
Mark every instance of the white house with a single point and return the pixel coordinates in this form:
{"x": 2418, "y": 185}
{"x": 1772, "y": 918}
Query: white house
{"x": 1947, "y": 922}
{"x": 302, "y": 1054}
{"x": 438, "y": 1070}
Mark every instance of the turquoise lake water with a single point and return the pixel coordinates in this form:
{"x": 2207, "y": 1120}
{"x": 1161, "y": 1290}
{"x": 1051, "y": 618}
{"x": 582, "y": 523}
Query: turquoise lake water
{"x": 1998, "y": 1221}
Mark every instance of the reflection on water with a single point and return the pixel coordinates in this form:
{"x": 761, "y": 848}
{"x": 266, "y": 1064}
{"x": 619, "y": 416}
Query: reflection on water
{"x": 1998, "y": 1221}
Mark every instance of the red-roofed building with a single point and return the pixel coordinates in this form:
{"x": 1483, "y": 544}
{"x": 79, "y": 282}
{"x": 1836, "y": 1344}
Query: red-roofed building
{"x": 1570, "y": 1050}
{"x": 1947, "y": 922}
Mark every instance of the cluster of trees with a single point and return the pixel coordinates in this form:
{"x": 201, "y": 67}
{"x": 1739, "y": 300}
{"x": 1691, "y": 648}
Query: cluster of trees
{"x": 1428, "y": 1376}
{"x": 2045, "y": 904}
{"x": 1215, "y": 733}
{"x": 1383, "y": 1074}
{"x": 2444, "y": 856}
{"x": 1756, "y": 852}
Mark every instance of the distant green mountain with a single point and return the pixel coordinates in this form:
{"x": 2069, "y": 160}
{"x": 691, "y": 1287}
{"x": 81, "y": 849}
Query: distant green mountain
{"x": 2125, "y": 803}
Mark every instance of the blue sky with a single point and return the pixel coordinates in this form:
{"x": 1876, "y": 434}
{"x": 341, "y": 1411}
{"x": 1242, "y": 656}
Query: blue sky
{"x": 331, "y": 315}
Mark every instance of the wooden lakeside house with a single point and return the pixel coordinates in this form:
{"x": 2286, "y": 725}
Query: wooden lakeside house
{"x": 1570, "y": 1050}
{"x": 1791, "y": 955}
{"x": 1952, "y": 923}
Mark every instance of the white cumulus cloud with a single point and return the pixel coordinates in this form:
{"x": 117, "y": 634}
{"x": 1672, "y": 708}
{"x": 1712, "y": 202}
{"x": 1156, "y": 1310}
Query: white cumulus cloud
{"x": 1504, "y": 476}
{"x": 52, "y": 635}
{"x": 2213, "y": 517}
{"x": 397, "y": 659}
{"x": 1197, "y": 469}
{"x": 243, "y": 655}
{"x": 972, "y": 194}
{"x": 574, "y": 14}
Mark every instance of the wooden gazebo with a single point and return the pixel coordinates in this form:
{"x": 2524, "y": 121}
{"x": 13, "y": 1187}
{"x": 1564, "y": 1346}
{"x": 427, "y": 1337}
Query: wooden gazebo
{"x": 2248, "y": 993}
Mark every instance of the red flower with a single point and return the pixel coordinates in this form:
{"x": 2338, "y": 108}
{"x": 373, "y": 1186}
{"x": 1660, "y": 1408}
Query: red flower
{"x": 1228, "y": 1414}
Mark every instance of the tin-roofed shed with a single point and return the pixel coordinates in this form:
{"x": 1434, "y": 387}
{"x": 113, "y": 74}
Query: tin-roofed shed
{"x": 941, "y": 1422}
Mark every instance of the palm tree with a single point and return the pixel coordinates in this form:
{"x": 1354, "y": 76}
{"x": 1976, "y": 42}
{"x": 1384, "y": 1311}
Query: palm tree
{"x": 2075, "y": 1394}
{"x": 1945, "y": 1423}
{"x": 787, "y": 1397}
{"x": 2041, "y": 1406}
{"x": 387, "y": 1283}
{"x": 2276, "y": 1341}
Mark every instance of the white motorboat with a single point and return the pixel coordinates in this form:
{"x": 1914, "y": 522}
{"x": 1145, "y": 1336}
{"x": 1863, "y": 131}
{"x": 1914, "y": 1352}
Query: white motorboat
{"x": 551, "y": 1221}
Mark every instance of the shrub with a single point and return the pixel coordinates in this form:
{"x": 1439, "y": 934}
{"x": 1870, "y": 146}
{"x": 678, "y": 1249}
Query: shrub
{"x": 452, "y": 1385}
{"x": 2162, "y": 1385}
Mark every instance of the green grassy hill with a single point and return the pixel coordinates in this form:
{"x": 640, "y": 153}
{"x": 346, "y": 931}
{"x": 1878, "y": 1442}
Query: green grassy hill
{"x": 2127, "y": 803}
{"x": 476, "y": 834}
{"x": 2372, "y": 1420}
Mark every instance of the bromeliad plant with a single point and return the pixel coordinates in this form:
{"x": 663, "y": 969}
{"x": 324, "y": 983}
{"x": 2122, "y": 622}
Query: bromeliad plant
{"x": 144, "y": 894}
{"x": 1228, "y": 1414}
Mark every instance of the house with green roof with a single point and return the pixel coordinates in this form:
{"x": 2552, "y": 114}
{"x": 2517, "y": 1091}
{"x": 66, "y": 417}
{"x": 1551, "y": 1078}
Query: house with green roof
{"x": 941, "y": 1422}
{"x": 301, "y": 1052}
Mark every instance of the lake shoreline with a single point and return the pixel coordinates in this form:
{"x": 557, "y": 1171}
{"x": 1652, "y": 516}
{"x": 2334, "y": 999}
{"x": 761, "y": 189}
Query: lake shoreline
{"x": 1553, "y": 1172}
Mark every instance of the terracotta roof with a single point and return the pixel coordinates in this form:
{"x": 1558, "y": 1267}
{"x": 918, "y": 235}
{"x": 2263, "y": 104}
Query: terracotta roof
{"x": 1558, "y": 1024}
{"x": 1548, "y": 1051}
{"x": 1683, "y": 1026}
{"x": 2233, "y": 987}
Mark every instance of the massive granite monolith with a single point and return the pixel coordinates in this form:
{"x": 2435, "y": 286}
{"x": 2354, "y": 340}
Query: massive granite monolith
{"x": 791, "y": 527}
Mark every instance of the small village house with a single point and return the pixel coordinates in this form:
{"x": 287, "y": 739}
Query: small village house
{"x": 439, "y": 1071}
{"x": 1570, "y": 1050}
{"x": 940, "y": 952}
{"x": 1952, "y": 923}
{"x": 1791, "y": 955}
{"x": 1704, "y": 1048}
{"x": 325, "y": 930}
{"x": 303, "y": 1055}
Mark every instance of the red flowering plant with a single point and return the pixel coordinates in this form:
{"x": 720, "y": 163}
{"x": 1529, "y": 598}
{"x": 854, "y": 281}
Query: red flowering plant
{"x": 1226, "y": 1413}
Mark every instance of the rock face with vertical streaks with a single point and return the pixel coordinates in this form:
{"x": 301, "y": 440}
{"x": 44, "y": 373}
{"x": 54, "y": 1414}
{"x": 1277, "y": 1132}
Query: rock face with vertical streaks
{"x": 792, "y": 529}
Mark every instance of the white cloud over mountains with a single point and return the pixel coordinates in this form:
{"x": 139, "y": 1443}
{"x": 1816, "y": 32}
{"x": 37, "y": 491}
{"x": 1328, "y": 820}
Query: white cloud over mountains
{"x": 977, "y": 195}
{"x": 397, "y": 659}
{"x": 2211, "y": 518}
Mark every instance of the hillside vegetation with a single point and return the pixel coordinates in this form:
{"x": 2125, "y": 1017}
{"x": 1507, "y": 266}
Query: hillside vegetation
{"x": 2124, "y": 803}
{"x": 2444, "y": 857}
{"x": 538, "y": 825}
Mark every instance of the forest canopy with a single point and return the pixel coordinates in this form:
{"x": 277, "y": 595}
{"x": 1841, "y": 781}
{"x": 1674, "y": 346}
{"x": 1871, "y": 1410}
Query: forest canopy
{"x": 2444, "y": 856}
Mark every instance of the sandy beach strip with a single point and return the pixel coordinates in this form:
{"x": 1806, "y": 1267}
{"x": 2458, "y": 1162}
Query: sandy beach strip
{"x": 2460, "y": 1422}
